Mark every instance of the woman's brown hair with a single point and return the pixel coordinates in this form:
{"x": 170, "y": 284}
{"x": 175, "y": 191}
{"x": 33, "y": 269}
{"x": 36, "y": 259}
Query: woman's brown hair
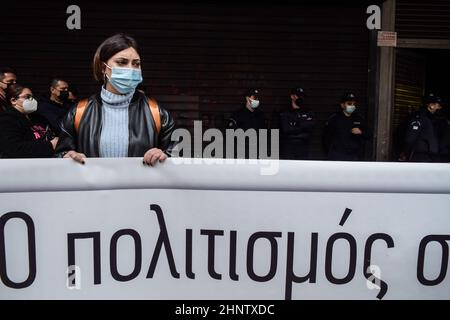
{"x": 107, "y": 49}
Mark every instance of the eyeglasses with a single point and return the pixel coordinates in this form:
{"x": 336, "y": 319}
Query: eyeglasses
{"x": 26, "y": 97}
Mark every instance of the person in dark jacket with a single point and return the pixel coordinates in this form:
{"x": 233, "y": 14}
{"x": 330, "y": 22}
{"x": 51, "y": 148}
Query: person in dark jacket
{"x": 23, "y": 136}
{"x": 296, "y": 126}
{"x": 345, "y": 132}
{"x": 421, "y": 141}
{"x": 55, "y": 105}
{"x": 117, "y": 121}
{"x": 8, "y": 77}
{"x": 249, "y": 117}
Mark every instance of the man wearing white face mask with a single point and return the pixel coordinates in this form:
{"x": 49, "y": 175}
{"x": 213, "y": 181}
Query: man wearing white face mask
{"x": 249, "y": 116}
{"x": 345, "y": 132}
{"x": 21, "y": 136}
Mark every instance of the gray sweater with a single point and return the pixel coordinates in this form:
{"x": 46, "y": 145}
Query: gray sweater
{"x": 114, "y": 135}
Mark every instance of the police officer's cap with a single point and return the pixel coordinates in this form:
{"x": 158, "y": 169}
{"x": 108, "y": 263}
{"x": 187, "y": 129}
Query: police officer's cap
{"x": 252, "y": 92}
{"x": 349, "y": 96}
{"x": 299, "y": 92}
{"x": 432, "y": 98}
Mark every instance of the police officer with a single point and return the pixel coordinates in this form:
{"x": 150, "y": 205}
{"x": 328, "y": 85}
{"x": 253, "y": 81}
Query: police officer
{"x": 296, "y": 126}
{"x": 248, "y": 117}
{"x": 421, "y": 137}
{"x": 345, "y": 132}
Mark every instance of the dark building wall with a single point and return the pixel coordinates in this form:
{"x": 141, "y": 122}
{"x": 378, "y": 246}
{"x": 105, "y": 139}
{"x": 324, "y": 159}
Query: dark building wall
{"x": 416, "y": 19}
{"x": 437, "y": 73}
{"x": 199, "y": 58}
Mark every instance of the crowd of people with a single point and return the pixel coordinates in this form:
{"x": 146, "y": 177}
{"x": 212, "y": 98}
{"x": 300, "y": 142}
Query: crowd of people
{"x": 424, "y": 137}
{"x": 122, "y": 121}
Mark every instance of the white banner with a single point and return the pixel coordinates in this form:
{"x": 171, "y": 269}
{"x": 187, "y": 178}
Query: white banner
{"x": 116, "y": 229}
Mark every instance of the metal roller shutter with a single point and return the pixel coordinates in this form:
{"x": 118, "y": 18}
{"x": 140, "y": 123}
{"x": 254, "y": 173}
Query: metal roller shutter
{"x": 199, "y": 58}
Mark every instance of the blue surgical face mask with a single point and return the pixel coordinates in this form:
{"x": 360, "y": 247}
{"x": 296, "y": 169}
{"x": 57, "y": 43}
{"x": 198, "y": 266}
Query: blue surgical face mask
{"x": 254, "y": 103}
{"x": 124, "y": 80}
{"x": 350, "y": 108}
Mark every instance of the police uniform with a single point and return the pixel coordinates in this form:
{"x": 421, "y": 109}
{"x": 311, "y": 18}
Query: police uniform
{"x": 245, "y": 119}
{"x": 340, "y": 142}
{"x": 421, "y": 140}
{"x": 296, "y": 126}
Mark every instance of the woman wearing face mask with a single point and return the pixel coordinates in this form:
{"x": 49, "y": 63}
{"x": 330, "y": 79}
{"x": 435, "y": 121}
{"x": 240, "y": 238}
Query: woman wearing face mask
{"x": 21, "y": 136}
{"x": 118, "y": 121}
{"x": 345, "y": 132}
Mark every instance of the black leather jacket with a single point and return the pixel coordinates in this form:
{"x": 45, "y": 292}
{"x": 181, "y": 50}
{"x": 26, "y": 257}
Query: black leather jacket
{"x": 142, "y": 129}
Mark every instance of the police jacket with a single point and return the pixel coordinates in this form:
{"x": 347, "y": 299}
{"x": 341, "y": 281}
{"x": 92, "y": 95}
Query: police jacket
{"x": 338, "y": 136}
{"x": 142, "y": 129}
{"x": 421, "y": 136}
{"x": 245, "y": 119}
{"x": 297, "y": 124}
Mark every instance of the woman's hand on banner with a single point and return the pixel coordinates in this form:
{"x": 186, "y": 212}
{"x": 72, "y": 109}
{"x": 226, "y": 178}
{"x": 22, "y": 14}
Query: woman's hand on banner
{"x": 154, "y": 155}
{"x": 78, "y": 157}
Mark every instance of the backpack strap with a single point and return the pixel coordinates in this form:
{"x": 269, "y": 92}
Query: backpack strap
{"x": 153, "y": 105}
{"x": 81, "y": 106}
{"x": 155, "y": 113}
